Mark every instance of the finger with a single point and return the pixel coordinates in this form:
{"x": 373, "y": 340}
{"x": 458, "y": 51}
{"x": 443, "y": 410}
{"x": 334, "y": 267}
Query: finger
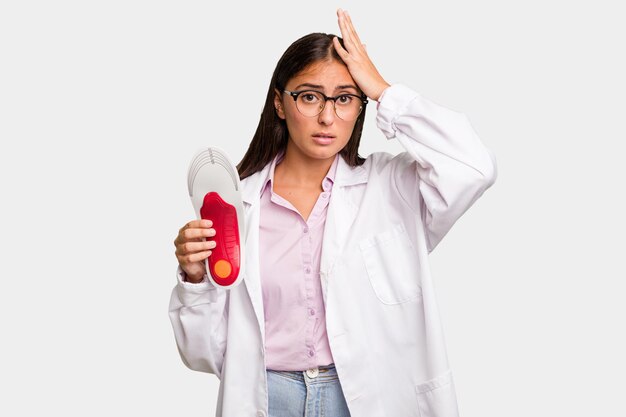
{"x": 345, "y": 34}
{"x": 198, "y": 234}
{"x": 351, "y": 40}
{"x": 353, "y": 34}
{"x": 201, "y": 223}
{"x": 196, "y": 257}
{"x": 194, "y": 247}
{"x": 343, "y": 54}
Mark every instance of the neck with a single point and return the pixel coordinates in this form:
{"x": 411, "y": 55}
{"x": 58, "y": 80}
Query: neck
{"x": 297, "y": 169}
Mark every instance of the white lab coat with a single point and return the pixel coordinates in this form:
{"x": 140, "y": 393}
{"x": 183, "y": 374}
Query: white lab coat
{"x": 383, "y": 219}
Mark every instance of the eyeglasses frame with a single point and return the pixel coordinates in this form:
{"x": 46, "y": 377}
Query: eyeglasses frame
{"x": 361, "y": 97}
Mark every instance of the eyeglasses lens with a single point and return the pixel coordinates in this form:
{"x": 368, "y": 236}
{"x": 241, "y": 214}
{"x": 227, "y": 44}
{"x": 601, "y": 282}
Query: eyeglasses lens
{"x": 311, "y": 103}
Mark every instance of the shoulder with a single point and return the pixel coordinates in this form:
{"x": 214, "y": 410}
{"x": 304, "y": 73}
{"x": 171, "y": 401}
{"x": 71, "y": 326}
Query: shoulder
{"x": 379, "y": 163}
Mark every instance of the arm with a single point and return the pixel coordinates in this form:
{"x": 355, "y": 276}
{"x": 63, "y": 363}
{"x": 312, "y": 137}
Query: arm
{"x": 199, "y": 318}
{"x": 445, "y": 168}
{"x": 198, "y": 309}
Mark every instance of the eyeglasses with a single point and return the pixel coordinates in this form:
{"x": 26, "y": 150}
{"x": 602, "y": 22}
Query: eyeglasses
{"x": 310, "y": 103}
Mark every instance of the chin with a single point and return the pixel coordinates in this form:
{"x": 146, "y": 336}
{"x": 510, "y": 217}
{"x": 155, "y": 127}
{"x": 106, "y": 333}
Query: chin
{"x": 325, "y": 153}
{"x": 317, "y": 151}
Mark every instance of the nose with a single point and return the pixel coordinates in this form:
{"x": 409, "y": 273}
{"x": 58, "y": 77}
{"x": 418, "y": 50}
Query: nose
{"x": 327, "y": 116}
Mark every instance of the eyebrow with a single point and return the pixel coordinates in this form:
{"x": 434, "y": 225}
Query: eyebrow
{"x": 320, "y": 87}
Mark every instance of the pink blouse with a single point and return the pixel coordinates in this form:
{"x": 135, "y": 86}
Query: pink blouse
{"x": 295, "y": 319}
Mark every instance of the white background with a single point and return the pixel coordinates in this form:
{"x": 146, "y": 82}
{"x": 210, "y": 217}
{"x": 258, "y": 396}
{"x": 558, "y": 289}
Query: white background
{"x": 103, "y": 104}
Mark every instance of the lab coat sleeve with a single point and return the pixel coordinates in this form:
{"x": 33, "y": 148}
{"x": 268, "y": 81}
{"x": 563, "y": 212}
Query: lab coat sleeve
{"x": 445, "y": 168}
{"x": 198, "y": 316}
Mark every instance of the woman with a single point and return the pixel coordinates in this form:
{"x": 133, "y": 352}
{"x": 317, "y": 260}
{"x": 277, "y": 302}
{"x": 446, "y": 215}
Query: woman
{"x": 336, "y": 315}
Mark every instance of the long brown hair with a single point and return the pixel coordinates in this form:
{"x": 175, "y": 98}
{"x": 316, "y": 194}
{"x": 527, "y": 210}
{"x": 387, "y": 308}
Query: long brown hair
{"x": 271, "y": 135}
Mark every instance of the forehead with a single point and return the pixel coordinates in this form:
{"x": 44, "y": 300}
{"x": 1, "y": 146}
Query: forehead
{"x": 326, "y": 73}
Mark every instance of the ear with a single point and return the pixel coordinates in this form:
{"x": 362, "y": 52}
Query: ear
{"x": 278, "y": 104}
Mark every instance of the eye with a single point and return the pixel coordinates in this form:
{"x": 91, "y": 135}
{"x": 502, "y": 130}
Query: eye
{"x": 309, "y": 98}
{"x": 345, "y": 99}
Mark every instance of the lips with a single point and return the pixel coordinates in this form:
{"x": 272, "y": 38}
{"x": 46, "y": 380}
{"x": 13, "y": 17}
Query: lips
{"x": 324, "y": 135}
{"x": 323, "y": 138}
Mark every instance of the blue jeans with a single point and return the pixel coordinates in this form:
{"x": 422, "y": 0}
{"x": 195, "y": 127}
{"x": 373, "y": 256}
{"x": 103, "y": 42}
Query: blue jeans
{"x": 312, "y": 393}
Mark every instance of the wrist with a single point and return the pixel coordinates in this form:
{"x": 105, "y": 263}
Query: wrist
{"x": 192, "y": 279}
{"x": 380, "y": 91}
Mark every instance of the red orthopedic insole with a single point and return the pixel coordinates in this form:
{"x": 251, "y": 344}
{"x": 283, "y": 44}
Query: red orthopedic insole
{"x": 225, "y": 258}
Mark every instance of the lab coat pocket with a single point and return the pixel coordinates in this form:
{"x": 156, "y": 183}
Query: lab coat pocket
{"x": 437, "y": 398}
{"x": 392, "y": 266}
